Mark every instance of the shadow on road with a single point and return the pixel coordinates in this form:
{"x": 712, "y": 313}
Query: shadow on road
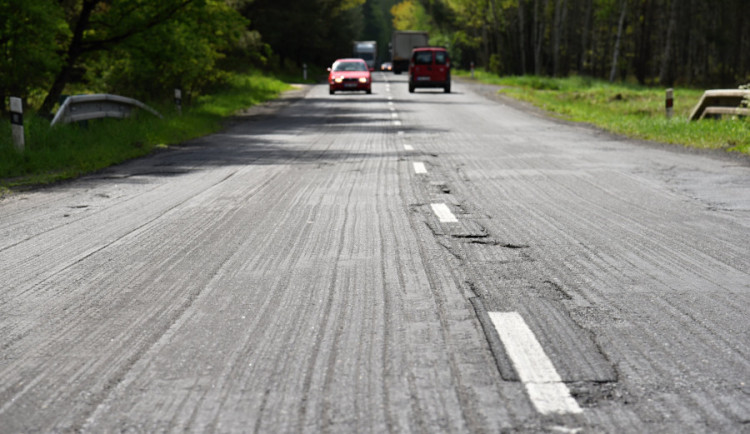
{"x": 305, "y": 131}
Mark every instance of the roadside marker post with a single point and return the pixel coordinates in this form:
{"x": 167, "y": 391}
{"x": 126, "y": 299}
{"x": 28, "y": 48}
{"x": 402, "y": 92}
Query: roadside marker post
{"x": 472, "y": 69}
{"x": 670, "y": 103}
{"x": 16, "y": 121}
{"x": 178, "y": 100}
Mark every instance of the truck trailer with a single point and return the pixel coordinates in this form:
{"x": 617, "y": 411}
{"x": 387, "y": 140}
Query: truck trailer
{"x": 367, "y": 51}
{"x": 402, "y": 43}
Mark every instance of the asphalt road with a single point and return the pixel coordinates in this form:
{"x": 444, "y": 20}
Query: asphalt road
{"x": 391, "y": 262}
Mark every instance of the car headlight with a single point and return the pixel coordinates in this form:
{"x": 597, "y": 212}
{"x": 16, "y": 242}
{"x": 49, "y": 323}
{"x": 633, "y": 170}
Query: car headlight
{"x": 338, "y": 79}
{"x": 363, "y": 79}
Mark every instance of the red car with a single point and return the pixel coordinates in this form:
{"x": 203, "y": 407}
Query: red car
{"x": 349, "y": 74}
{"x": 430, "y": 67}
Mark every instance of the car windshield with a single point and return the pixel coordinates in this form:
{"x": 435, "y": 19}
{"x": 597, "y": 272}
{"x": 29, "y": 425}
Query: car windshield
{"x": 350, "y": 66}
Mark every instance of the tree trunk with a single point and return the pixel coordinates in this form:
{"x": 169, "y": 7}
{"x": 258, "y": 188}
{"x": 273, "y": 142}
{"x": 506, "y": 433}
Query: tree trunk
{"x": 539, "y": 39}
{"x": 556, "y": 38}
{"x": 522, "y": 36}
{"x": 666, "y": 60}
{"x": 495, "y": 27}
{"x": 74, "y": 51}
{"x": 616, "y": 54}
{"x": 643, "y": 49}
{"x": 585, "y": 35}
{"x": 563, "y": 36}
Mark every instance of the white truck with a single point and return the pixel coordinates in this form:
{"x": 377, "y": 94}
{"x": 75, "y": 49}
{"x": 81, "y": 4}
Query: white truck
{"x": 402, "y": 43}
{"x": 367, "y": 51}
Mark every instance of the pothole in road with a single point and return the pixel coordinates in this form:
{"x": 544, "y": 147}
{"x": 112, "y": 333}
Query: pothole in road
{"x": 468, "y": 230}
{"x": 492, "y": 242}
{"x": 592, "y": 393}
{"x": 441, "y": 187}
{"x": 553, "y": 291}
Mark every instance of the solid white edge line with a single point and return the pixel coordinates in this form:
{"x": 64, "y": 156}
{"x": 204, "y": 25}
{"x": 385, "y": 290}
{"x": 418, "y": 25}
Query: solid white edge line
{"x": 543, "y": 384}
{"x": 444, "y": 213}
{"x": 420, "y": 168}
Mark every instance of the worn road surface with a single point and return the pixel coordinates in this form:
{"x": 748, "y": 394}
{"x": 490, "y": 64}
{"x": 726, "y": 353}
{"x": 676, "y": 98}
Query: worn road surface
{"x": 391, "y": 262}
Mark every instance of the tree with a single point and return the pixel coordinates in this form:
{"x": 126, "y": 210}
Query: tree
{"x": 97, "y": 25}
{"x": 618, "y": 39}
{"x": 306, "y": 31}
{"x": 667, "y": 57}
{"x": 378, "y": 25}
{"x": 560, "y": 15}
{"x": 31, "y": 32}
{"x": 410, "y": 15}
{"x": 701, "y": 42}
{"x": 181, "y": 52}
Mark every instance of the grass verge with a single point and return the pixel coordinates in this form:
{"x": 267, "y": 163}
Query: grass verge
{"x": 67, "y": 151}
{"x": 630, "y": 110}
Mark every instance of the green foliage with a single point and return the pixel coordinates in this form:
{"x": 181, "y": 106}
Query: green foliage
{"x": 144, "y": 48}
{"x": 377, "y": 25}
{"x": 495, "y": 63}
{"x": 182, "y": 52}
{"x": 306, "y": 31}
{"x": 238, "y": 92}
{"x": 131, "y": 47}
{"x": 31, "y": 33}
{"x": 697, "y": 42}
{"x": 410, "y": 15}
{"x": 631, "y": 110}
{"x": 65, "y": 151}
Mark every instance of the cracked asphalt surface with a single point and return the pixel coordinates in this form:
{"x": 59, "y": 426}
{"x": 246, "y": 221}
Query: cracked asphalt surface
{"x": 289, "y": 275}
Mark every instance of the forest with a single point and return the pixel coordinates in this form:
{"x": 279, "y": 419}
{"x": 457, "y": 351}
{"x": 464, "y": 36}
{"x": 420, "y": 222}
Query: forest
{"x": 653, "y": 42}
{"x": 145, "y": 48}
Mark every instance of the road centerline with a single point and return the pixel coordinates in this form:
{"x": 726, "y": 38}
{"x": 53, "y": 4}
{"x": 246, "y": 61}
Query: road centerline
{"x": 444, "y": 213}
{"x": 542, "y": 382}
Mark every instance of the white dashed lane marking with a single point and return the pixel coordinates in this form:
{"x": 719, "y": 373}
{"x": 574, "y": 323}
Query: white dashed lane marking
{"x": 408, "y": 148}
{"x": 444, "y": 213}
{"x": 543, "y": 384}
{"x": 420, "y": 168}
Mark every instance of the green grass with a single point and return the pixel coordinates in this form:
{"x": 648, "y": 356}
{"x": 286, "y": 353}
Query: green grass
{"x": 67, "y": 151}
{"x": 630, "y": 110}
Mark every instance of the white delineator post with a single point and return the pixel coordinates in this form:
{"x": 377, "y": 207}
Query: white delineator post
{"x": 178, "y": 100}
{"x": 16, "y": 120}
{"x": 670, "y": 103}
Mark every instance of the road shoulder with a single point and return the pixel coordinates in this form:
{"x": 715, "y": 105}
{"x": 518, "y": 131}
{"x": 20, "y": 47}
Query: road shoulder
{"x": 491, "y": 92}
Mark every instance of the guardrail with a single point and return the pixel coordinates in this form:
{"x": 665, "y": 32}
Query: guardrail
{"x": 717, "y": 102}
{"x": 78, "y": 108}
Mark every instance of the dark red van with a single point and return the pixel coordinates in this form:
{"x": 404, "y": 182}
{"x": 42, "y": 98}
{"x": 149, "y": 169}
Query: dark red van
{"x": 430, "y": 67}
